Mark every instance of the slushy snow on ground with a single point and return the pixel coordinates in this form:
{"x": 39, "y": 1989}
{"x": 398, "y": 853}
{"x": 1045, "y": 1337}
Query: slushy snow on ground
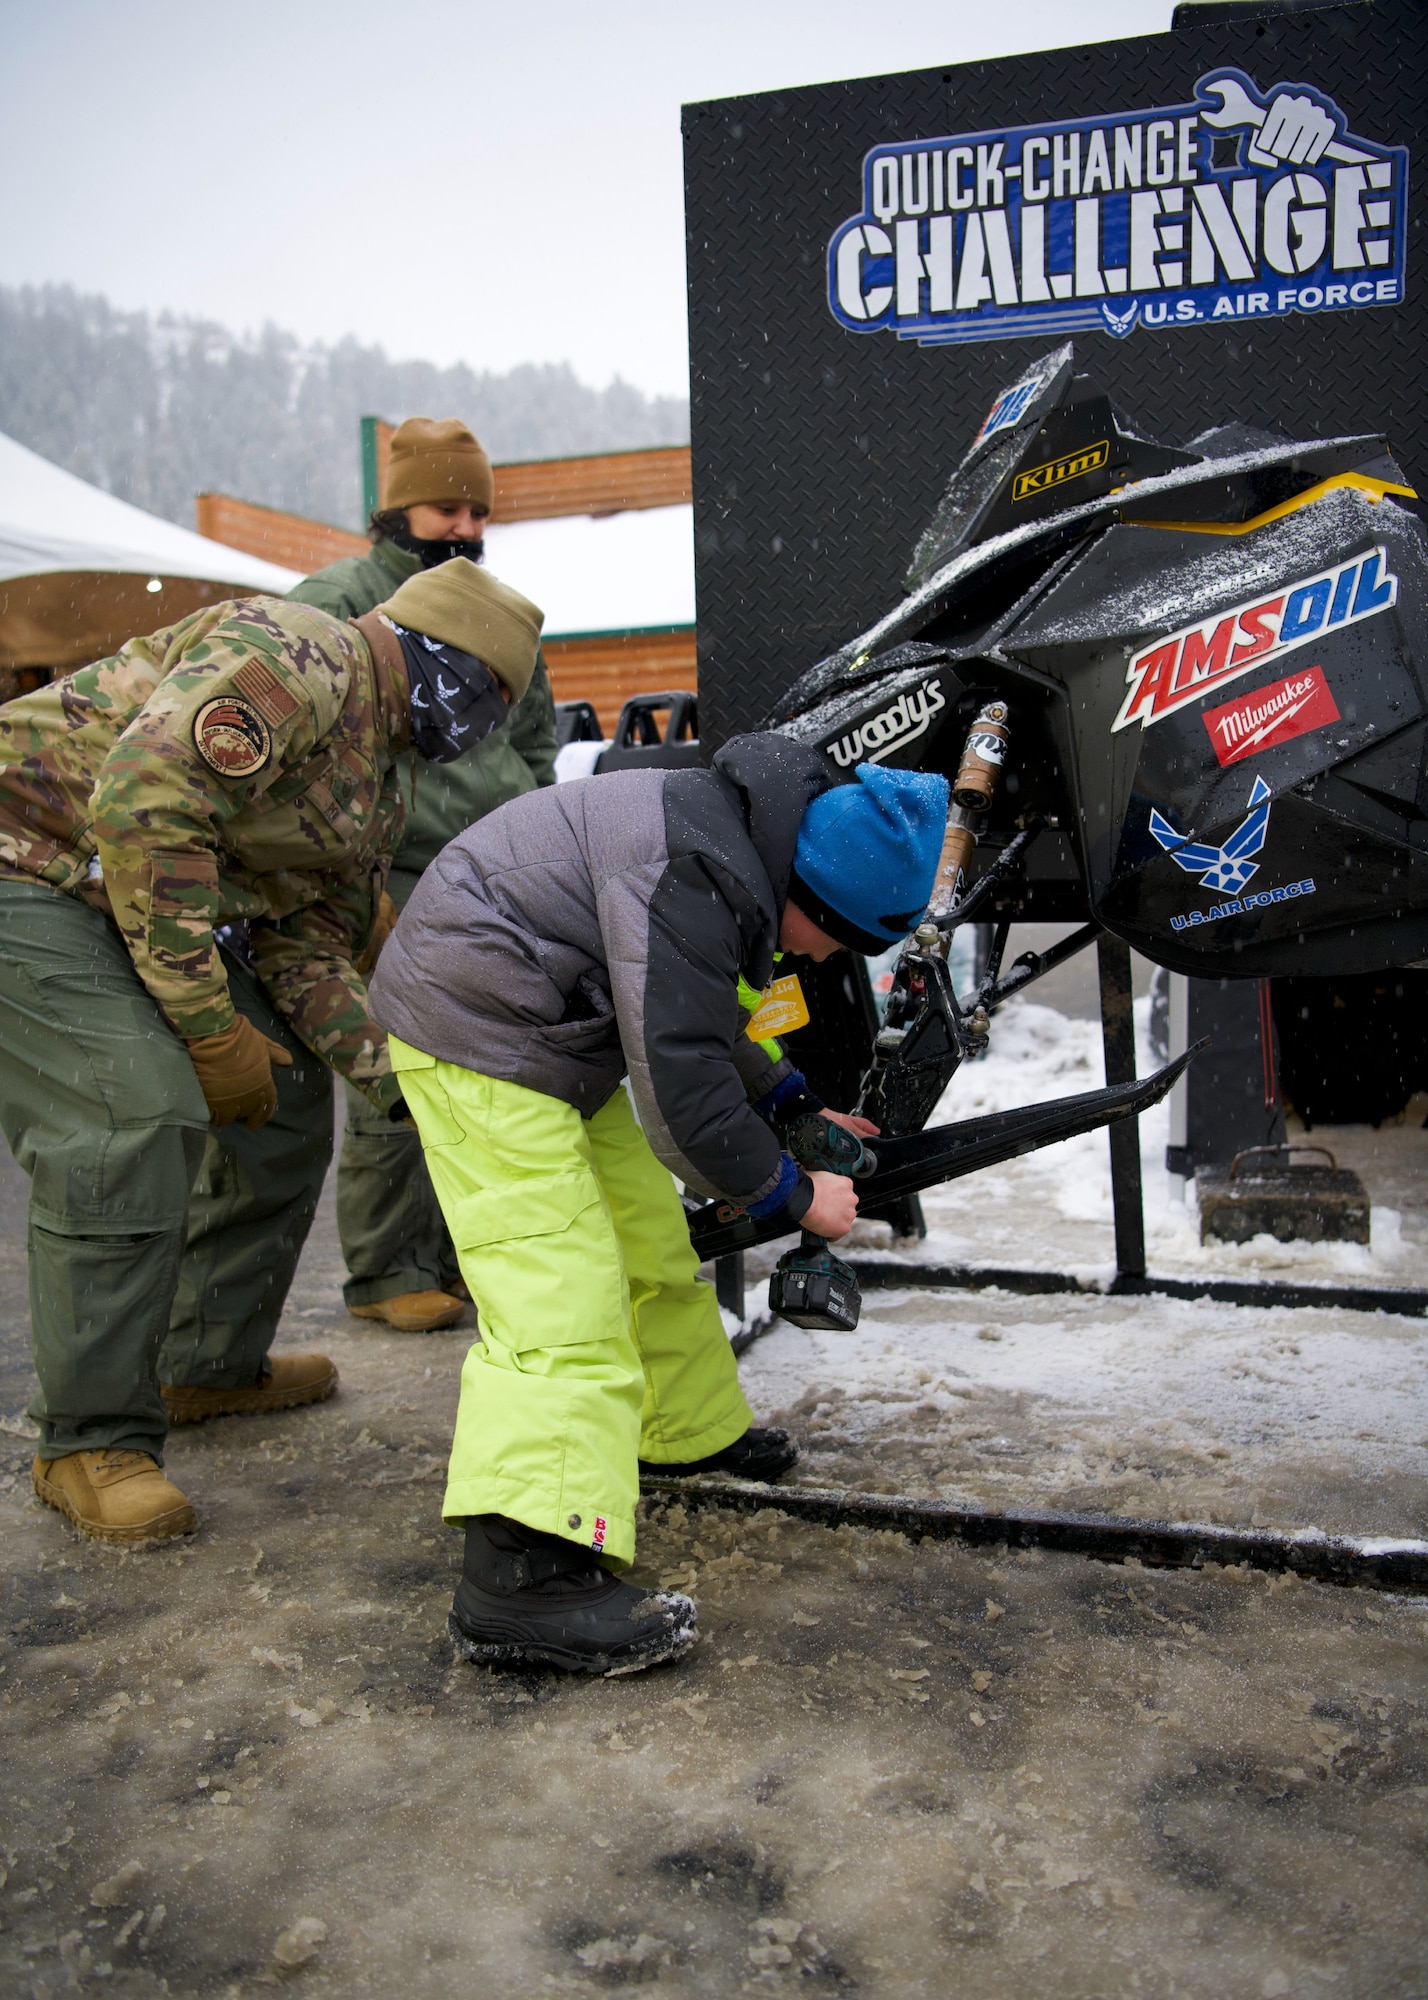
{"x": 1144, "y": 1405}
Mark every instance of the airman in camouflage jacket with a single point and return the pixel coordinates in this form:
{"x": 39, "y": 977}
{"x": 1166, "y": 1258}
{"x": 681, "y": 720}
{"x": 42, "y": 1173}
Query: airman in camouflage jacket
{"x": 237, "y": 765}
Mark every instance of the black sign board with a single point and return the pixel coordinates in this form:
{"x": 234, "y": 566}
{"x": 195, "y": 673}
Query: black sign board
{"x": 1223, "y": 219}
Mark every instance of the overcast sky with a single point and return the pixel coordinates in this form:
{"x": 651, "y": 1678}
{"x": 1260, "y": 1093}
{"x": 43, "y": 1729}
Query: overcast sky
{"x": 491, "y": 184}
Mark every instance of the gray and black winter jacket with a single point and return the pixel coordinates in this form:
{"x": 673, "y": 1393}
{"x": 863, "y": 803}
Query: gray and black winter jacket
{"x": 603, "y": 926}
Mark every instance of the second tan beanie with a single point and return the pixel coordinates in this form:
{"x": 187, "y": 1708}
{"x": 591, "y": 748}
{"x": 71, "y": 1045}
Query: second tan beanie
{"x": 468, "y": 608}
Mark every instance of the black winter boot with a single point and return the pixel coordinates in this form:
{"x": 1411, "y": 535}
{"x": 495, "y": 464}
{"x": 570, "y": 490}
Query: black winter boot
{"x": 528, "y": 1598}
{"x": 765, "y": 1455}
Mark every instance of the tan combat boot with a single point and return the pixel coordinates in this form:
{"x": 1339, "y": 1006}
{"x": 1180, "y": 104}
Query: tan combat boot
{"x": 116, "y": 1496}
{"x": 414, "y": 1312}
{"x": 286, "y": 1381}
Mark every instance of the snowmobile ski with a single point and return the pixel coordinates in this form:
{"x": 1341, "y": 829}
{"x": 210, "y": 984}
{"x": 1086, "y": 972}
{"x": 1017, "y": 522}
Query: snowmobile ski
{"x": 946, "y": 1152}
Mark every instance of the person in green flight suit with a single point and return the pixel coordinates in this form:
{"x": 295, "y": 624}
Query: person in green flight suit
{"x": 439, "y": 490}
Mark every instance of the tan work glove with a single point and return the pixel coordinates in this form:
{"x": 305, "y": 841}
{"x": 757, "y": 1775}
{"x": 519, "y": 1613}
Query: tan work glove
{"x": 235, "y": 1073}
{"x": 383, "y": 926}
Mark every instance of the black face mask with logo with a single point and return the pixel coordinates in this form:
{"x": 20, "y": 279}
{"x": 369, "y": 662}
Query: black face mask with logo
{"x": 432, "y": 554}
{"x": 455, "y": 698}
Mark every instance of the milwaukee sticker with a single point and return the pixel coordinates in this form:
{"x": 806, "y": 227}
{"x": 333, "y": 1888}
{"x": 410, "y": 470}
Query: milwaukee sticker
{"x": 1056, "y": 472}
{"x": 1274, "y": 714}
{"x": 1190, "y": 663}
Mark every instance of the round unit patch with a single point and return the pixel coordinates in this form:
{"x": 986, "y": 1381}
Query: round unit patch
{"x": 231, "y": 737}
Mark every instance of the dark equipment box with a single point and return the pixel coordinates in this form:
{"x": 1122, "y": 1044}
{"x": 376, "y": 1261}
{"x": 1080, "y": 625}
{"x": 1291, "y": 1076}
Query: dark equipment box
{"x": 1266, "y": 1192}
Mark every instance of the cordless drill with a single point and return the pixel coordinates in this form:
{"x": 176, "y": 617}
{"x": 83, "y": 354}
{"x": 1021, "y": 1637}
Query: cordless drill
{"x": 811, "y": 1287}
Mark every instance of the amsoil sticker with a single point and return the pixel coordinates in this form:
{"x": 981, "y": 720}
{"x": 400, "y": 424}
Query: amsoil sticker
{"x": 781, "y": 1009}
{"x": 1187, "y": 665}
{"x": 1240, "y": 203}
{"x": 1274, "y": 714}
{"x": 231, "y": 737}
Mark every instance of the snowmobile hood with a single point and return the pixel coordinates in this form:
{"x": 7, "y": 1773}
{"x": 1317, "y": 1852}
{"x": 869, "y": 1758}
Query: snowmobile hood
{"x": 1169, "y": 499}
{"x": 1214, "y": 672}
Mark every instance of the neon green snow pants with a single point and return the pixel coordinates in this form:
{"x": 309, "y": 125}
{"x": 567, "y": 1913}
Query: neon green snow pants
{"x": 600, "y": 1345}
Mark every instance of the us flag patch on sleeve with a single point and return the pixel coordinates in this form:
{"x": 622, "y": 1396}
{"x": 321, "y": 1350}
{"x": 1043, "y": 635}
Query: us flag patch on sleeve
{"x": 256, "y": 680}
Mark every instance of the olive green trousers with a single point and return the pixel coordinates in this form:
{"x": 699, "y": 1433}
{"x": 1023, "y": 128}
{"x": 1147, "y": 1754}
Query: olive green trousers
{"x": 600, "y": 1344}
{"x": 389, "y": 1221}
{"x": 160, "y": 1249}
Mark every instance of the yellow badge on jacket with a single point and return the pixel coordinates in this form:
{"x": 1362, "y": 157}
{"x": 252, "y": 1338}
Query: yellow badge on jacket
{"x": 781, "y": 1009}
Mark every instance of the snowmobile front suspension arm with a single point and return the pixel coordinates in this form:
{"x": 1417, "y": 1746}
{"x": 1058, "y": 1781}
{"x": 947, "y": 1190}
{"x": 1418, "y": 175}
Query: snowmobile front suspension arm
{"x": 947, "y": 1152}
{"x": 1033, "y": 964}
{"x": 1006, "y": 861}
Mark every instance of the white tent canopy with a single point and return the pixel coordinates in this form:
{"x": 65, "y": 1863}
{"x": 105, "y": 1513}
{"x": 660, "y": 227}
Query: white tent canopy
{"x": 627, "y": 572}
{"x": 50, "y": 522}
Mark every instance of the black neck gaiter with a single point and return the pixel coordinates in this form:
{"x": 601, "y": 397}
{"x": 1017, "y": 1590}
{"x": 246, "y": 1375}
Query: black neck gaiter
{"x": 433, "y": 554}
{"x": 455, "y": 698}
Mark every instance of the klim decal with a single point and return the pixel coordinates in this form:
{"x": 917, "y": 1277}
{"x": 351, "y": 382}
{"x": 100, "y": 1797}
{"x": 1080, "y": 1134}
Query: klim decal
{"x": 1057, "y": 471}
{"x": 877, "y": 738}
{"x": 1242, "y": 204}
{"x": 1271, "y": 715}
{"x": 1187, "y": 665}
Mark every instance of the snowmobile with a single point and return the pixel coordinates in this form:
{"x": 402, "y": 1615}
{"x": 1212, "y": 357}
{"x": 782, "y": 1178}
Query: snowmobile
{"x": 1184, "y": 685}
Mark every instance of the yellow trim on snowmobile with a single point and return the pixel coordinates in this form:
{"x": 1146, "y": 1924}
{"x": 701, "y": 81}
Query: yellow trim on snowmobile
{"x": 1374, "y": 488}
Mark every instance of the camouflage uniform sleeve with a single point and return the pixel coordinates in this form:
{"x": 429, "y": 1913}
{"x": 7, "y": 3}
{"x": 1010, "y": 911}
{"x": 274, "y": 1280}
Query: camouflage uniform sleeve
{"x": 533, "y": 726}
{"x": 306, "y": 961}
{"x": 160, "y": 806}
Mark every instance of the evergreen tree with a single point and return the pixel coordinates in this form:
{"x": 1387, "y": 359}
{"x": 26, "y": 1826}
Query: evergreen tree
{"x": 155, "y": 410}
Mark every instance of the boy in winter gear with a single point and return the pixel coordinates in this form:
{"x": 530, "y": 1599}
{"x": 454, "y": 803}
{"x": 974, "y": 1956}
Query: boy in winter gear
{"x": 233, "y": 769}
{"x": 438, "y": 493}
{"x": 574, "y": 937}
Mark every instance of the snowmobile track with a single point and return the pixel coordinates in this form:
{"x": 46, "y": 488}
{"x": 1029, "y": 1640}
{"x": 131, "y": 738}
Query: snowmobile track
{"x": 1377, "y": 1562}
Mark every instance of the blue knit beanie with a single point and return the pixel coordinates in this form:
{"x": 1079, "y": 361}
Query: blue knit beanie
{"x": 867, "y": 856}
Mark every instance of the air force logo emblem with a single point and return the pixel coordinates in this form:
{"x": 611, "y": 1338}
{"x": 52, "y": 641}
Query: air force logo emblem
{"x": 1223, "y": 869}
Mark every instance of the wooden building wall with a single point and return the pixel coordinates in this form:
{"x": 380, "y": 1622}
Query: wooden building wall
{"x": 603, "y": 668}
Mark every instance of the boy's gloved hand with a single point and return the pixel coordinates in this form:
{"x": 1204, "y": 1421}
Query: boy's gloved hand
{"x": 383, "y": 925}
{"x": 235, "y": 1073}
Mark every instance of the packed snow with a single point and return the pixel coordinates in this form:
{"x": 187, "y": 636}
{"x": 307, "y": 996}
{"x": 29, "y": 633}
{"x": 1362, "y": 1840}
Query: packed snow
{"x": 1311, "y": 1417}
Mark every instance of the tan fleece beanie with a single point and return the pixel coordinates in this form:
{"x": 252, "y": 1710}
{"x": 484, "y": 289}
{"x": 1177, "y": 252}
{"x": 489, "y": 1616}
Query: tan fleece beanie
{"x": 432, "y": 460}
{"x": 470, "y": 609}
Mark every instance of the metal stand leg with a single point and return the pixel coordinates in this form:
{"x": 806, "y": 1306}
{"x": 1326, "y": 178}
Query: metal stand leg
{"x": 729, "y": 1282}
{"x": 905, "y": 1214}
{"x": 1118, "y": 1035}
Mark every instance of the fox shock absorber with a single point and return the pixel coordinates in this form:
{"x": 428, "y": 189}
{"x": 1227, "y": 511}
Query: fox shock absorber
{"x": 973, "y": 790}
